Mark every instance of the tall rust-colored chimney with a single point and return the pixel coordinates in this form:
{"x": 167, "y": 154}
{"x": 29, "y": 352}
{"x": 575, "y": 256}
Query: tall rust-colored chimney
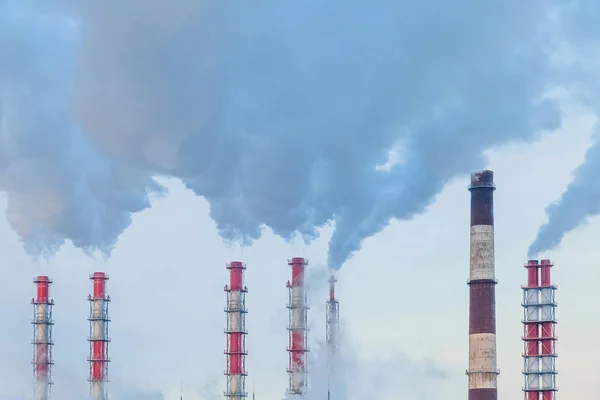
{"x": 483, "y": 371}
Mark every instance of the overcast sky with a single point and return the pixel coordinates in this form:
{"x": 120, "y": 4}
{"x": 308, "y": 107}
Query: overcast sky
{"x": 404, "y": 298}
{"x": 263, "y": 122}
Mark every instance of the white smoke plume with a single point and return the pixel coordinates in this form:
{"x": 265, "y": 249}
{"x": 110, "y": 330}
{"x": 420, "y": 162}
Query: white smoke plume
{"x": 398, "y": 378}
{"x": 277, "y": 113}
{"x": 351, "y": 378}
{"x": 58, "y": 187}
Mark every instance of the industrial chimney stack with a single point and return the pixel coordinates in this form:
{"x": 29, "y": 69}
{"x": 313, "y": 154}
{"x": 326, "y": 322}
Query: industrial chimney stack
{"x": 332, "y": 320}
{"x": 236, "y": 333}
{"x": 99, "y": 337}
{"x": 42, "y": 338}
{"x": 482, "y": 372}
{"x": 332, "y": 330}
{"x": 297, "y": 328}
{"x": 539, "y": 320}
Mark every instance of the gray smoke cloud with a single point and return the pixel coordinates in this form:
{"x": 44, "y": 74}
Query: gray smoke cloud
{"x": 58, "y": 187}
{"x": 581, "y": 199}
{"x": 279, "y": 114}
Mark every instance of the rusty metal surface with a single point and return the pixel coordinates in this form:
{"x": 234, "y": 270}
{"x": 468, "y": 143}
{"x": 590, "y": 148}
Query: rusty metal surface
{"x": 482, "y": 303}
{"x": 483, "y": 380}
{"x": 482, "y": 308}
{"x": 482, "y": 198}
{"x": 482, "y": 178}
{"x": 482, "y": 206}
{"x": 483, "y": 394}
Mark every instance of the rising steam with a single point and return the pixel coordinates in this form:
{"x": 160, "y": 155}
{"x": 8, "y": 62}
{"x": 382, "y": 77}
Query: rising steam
{"x": 581, "y": 199}
{"x": 278, "y": 113}
{"x": 400, "y": 378}
{"x": 58, "y": 187}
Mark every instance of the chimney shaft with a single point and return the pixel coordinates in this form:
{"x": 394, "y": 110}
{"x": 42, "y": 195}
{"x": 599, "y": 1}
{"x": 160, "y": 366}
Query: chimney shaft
{"x": 332, "y": 324}
{"x": 332, "y": 332}
{"x": 42, "y": 338}
{"x": 236, "y": 332}
{"x": 483, "y": 372}
{"x": 98, "y": 338}
{"x": 539, "y": 320}
{"x": 297, "y": 328}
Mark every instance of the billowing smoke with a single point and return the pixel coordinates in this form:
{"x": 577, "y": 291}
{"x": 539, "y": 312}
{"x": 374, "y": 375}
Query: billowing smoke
{"x": 280, "y": 114}
{"x": 581, "y": 199}
{"x": 58, "y": 187}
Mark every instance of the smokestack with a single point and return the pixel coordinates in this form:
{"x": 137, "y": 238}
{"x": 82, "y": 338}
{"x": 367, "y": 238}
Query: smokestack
{"x": 332, "y": 326}
{"x": 42, "y": 338}
{"x": 297, "y": 328}
{"x": 482, "y": 372}
{"x": 99, "y": 337}
{"x": 539, "y": 320}
{"x": 235, "y": 351}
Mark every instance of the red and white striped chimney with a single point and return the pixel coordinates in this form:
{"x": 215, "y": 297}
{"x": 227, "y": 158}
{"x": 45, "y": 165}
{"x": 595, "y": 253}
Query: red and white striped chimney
{"x": 539, "y": 320}
{"x": 482, "y": 372}
{"x": 297, "y": 328}
{"x": 236, "y": 332}
{"x": 42, "y": 338}
{"x": 99, "y": 337}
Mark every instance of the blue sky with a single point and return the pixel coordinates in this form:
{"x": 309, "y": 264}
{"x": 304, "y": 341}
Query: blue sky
{"x": 291, "y": 110}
